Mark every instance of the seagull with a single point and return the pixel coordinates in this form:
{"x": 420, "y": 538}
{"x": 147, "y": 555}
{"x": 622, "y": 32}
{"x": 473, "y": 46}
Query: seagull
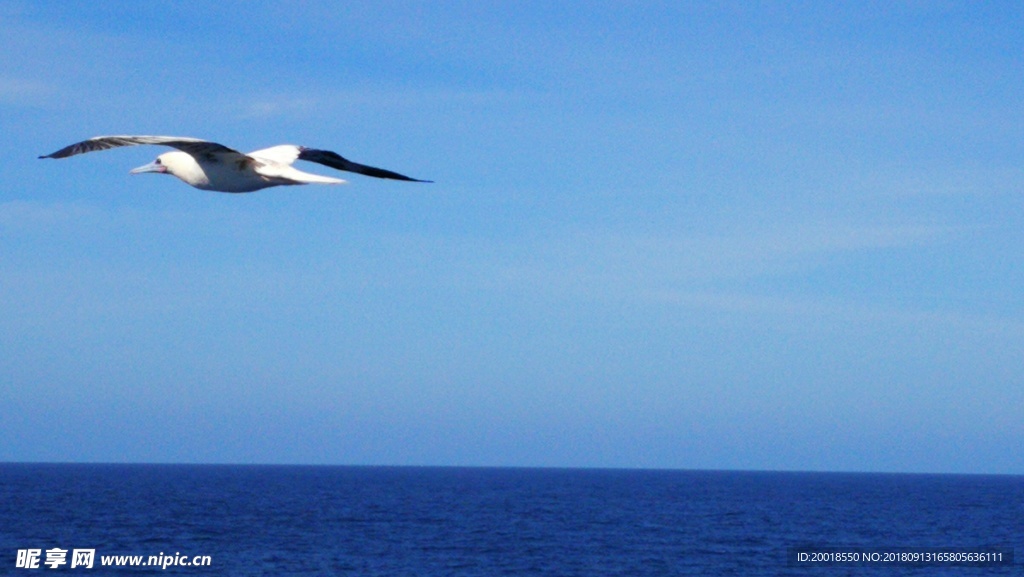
{"x": 211, "y": 166}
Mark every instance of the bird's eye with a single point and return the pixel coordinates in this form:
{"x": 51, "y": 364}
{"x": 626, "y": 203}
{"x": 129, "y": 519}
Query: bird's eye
{"x": 157, "y": 161}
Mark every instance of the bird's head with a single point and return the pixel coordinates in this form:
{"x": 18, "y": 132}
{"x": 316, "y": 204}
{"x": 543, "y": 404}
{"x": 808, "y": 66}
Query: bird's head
{"x": 175, "y": 163}
{"x": 162, "y": 164}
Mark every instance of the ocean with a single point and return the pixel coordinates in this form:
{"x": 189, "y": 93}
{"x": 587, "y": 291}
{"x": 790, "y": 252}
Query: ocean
{"x": 425, "y": 521}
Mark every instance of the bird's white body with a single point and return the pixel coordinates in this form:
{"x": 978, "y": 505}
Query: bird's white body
{"x": 234, "y": 174}
{"x": 210, "y": 166}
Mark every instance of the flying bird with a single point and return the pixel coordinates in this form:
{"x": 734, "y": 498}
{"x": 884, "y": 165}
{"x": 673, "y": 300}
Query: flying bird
{"x": 211, "y": 166}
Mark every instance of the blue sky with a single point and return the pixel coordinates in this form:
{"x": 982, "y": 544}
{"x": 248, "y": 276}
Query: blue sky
{"x": 739, "y": 236}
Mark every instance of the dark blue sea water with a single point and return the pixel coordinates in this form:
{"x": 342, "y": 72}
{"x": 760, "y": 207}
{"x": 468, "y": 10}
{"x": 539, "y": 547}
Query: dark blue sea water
{"x": 289, "y": 520}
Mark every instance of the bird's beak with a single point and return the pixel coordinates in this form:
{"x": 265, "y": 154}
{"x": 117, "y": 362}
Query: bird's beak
{"x": 151, "y": 167}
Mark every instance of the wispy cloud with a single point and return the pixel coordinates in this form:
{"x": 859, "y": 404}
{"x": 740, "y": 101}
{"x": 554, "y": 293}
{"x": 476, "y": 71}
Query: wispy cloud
{"x": 320, "y": 102}
{"x": 655, "y": 262}
{"x": 285, "y": 106}
{"x": 798, "y": 276}
{"x": 945, "y": 181}
{"x": 821, "y": 312}
{"x": 20, "y": 216}
{"x": 67, "y": 220}
{"x": 14, "y": 90}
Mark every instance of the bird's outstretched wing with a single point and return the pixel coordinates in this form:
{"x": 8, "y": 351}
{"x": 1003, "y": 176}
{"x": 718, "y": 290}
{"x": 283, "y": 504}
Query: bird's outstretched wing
{"x": 193, "y": 146}
{"x": 335, "y": 160}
